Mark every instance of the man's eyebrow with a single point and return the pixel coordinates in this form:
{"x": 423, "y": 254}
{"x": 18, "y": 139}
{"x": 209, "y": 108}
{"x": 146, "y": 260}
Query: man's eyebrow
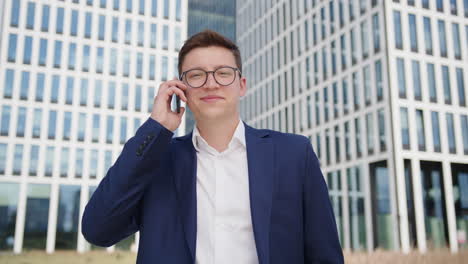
{"x": 215, "y": 67}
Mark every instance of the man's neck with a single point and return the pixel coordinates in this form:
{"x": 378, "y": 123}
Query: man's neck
{"x": 218, "y": 133}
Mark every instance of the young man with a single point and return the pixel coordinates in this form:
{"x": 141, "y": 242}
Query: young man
{"x": 226, "y": 193}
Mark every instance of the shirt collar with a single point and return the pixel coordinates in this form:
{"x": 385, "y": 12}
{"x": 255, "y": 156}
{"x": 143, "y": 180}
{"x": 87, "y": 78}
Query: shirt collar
{"x": 238, "y": 138}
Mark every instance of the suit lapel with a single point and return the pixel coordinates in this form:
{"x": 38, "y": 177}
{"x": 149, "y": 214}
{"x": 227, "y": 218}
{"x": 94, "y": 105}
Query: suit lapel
{"x": 185, "y": 168}
{"x": 260, "y": 160}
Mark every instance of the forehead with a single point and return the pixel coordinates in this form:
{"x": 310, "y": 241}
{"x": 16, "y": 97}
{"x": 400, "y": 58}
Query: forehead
{"x": 208, "y": 58}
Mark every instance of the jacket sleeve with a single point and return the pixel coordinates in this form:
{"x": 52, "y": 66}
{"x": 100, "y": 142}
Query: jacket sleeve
{"x": 112, "y": 212}
{"x": 321, "y": 237}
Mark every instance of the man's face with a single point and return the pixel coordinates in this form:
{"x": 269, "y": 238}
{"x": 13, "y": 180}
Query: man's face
{"x": 212, "y": 101}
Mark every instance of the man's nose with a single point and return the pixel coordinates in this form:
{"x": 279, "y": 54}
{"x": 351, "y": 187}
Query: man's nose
{"x": 210, "y": 81}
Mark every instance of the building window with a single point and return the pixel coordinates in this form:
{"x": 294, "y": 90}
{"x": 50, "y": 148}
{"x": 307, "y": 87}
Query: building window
{"x": 376, "y": 32}
{"x": 401, "y": 77}
{"x": 456, "y": 41}
{"x": 59, "y": 20}
{"x": 49, "y": 162}
{"x": 428, "y": 35}
{"x": 45, "y": 18}
{"x": 405, "y": 135}
{"x": 64, "y": 157}
{"x": 69, "y": 91}
{"x": 420, "y": 130}
{"x": 31, "y": 15}
{"x": 153, "y": 36}
{"x": 413, "y": 33}
{"x": 165, "y": 42}
{"x": 164, "y": 67}
{"x": 451, "y": 134}
{"x": 141, "y": 33}
{"x": 141, "y": 7}
{"x": 79, "y": 163}
{"x": 86, "y": 58}
{"x": 71, "y": 56}
{"x": 124, "y": 99}
{"x": 12, "y": 42}
{"x": 9, "y": 83}
{"x": 370, "y": 133}
{"x": 37, "y": 121}
{"x": 139, "y": 65}
{"x": 464, "y": 126}
{"x": 166, "y": 9}
{"x": 40, "y": 87}
{"x": 5, "y": 123}
{"x": 378, "y": 80}
{"x": 446, "y": 83}
{"x": 34, "y": 160}
{"x": 178, "y": 10}
{"x": 21, "y": 122}
{"x": 123, "y": 130}
{"x": 24, "y": 89}
{"x": 442, "y": 38}
{"x": 367, "y": 86}
{"x": 52, "y": 124}
{"x": 54, "y": 91}
{"x": 100, "y": 60}
{"x": 343, "y": 52}
{"x": 110, "y": 129}
{"x": 126, "y": 63}
{"x": 129, "y": 6}
{"x": 150, "y": 99}
{"x": 431, "y": 82}
{"x": 416, "y": 80}
{"x": 461, "y": 87}
{"x": 97, "y": 93}
{"x": 57, "y": 54}
{"x": 115, "y": 29}
{"x": 440, "y": 5}
{"x": 435, "y": 131}
{"x": 42, "y": 52}
{"x": 96, "y": 121}
{"x": 74, "y": 23}
{"x": 18, "y": 159}
{"x": 111, "y": 95}
{"x": 93, "y": 164}
{"x": 364, "y": 40}
{"x": 113, "y": 61}
{"x": 15, "y": 12}
{"x": 67, "y": 121}
{"x": 357, "y": 131}
{"x": 27, "y": 50}
{"x": 154, "y": 8}
{"x": 138, "y": 98}
{"x": 382, "y": 137}
{"x": 102, "y": 27}
{"x": 344, "y": 87}
{"x": 397, "y": 30}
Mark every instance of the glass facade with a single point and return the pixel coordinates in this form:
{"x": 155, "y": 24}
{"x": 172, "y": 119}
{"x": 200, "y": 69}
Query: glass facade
{"x": 70, "y": 72}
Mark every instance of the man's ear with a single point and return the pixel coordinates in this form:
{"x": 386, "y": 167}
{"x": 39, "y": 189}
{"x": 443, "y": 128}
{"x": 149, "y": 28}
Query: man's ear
{"x": 243, "y": 86}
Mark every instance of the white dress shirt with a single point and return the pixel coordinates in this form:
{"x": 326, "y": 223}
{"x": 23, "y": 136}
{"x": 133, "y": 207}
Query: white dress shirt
{"x": 224, "y": 224}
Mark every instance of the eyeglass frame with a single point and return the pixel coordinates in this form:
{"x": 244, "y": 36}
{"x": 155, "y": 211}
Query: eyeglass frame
{"x": 207, "y": 73}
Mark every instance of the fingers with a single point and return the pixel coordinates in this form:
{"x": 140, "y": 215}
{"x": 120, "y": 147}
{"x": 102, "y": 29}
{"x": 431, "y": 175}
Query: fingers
{"x": 171, "y": 83}
{"x": 174, "y": 90}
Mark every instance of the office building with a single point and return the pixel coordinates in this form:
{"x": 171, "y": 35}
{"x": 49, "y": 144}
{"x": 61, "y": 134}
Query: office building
{"x": 379, "y": 88}
{"x": 77, "y": 78}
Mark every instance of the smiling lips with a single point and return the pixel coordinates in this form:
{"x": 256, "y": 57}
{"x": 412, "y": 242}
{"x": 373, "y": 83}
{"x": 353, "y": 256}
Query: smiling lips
{"x": 211, "y": 98}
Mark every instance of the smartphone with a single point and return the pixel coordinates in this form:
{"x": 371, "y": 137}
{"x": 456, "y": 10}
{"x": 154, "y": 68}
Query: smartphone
{"x": 177, "y": 100}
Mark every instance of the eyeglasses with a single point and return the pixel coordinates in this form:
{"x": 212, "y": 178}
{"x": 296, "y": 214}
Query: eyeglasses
{"x": 197, "y": 78}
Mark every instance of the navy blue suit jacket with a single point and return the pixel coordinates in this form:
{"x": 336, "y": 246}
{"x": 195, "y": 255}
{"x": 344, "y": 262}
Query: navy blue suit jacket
{"x": 151, "y": 188}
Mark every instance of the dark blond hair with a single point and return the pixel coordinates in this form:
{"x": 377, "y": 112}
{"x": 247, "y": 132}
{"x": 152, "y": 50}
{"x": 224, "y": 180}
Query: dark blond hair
{"x": 205, "y": 39}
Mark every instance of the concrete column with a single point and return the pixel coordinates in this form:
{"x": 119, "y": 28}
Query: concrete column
{"x": 82, "y": 245}
{"x": 449, "y": 204}
{"x": 418, "y": 205}
{"x": 346, "y": 213}
{"x": 364, "y": 170}
{"x": 52, "y": 225}
{"x": 20, "y": 218}
{"x": 399, "y": 173}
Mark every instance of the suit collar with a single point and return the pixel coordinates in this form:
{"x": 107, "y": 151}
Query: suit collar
{"x": 260, "y": 160}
